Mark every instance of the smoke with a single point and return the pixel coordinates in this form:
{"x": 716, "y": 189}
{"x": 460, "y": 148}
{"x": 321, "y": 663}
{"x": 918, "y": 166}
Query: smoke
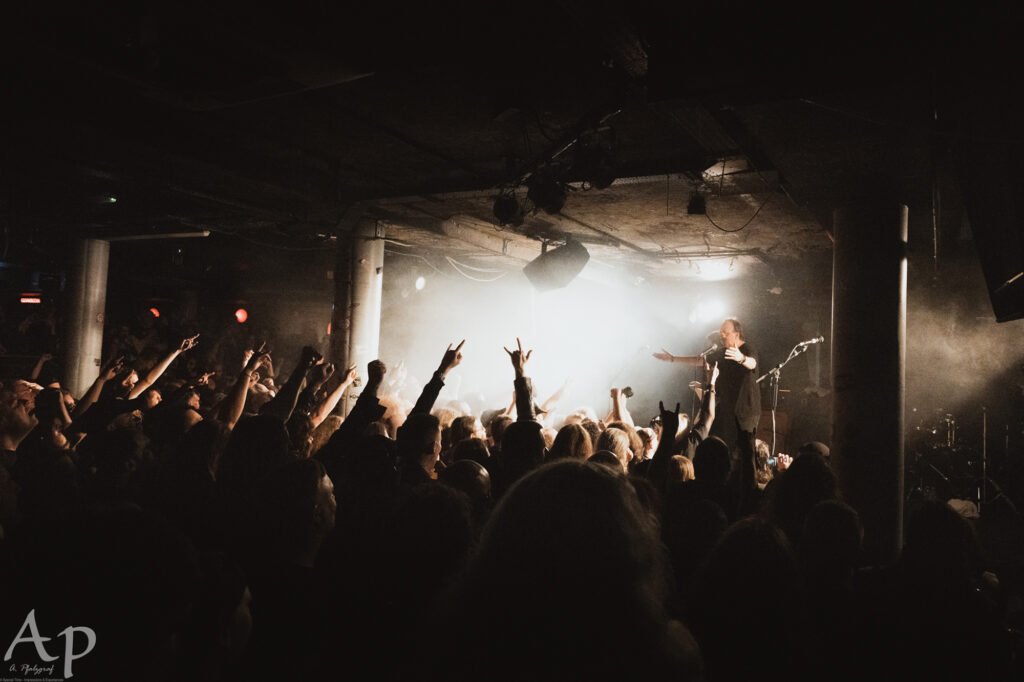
{"x": 600, "y": 331}
{"x": 959, "y": 358}
{"x": 596, "y": 333}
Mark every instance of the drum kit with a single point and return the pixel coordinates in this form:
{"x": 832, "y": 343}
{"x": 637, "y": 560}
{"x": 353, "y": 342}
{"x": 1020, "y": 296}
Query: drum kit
{"x": 939, "y": 464}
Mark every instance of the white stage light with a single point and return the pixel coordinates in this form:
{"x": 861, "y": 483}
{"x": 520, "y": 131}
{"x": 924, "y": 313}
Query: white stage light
{"x": 420, "y": 283}
{"x": 713, "y": 270}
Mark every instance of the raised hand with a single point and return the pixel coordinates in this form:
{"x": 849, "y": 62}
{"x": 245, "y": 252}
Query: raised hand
{"x": 735, "y": 355}
{"x": 375, "y": 372}
{"x": 321, "y": 373}
{"x": 452, "y": 357}
{"x": 710, "y": 374}
{"x": 310, "y": 357}
{"x": 519, "y": 358}
{"x": 669, "y": 421}
{"x": 257, "y": 360}
{"x": 204, "y": 379}
{"x": 350, "y": 376}
{"x": 188, "y": 343}
{"x": 111, "y": 368}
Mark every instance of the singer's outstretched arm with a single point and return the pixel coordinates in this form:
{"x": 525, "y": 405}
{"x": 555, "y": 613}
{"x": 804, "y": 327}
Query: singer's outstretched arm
{"x": 692, "y": 360}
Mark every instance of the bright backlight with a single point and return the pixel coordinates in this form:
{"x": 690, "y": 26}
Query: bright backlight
{"x": 714, "y": 270}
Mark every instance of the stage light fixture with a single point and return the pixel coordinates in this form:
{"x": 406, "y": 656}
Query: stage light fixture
{"x": 507, "y": 210}
{"x": 155, "y": 312}
{"x": 556, "y": 268}
{"x": 420, "y": 283}
{"x": 241, "y": 315}
{"x": 546, "y": 191}
{"x": 696, "y": 205}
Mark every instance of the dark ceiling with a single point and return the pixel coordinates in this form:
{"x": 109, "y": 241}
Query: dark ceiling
{"x": 275, "y": 124}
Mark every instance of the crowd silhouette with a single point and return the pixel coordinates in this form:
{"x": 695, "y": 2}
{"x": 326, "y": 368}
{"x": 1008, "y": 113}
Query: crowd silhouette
{"x": 211, "y": 518}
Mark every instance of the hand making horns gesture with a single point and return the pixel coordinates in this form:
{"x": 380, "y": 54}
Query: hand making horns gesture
{"x": 451, "y": 358}
{"x": 518, "y": 357}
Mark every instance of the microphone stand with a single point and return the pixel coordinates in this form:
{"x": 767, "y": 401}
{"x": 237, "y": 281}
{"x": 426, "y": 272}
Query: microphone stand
{"x": 775, "y": 372}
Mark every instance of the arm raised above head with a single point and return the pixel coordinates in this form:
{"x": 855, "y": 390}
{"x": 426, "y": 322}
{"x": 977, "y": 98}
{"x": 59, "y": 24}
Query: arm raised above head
{"x": 525, "y": 410}
{"x": 154, "y": 374}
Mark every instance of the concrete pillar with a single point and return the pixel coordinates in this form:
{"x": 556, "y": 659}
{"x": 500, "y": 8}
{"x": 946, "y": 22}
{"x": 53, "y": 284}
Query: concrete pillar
{"x": 869, "y": 305}
{"x": 341, "y": 311}
{"x": 359, "y": 278}
{"x": 87, "y": 291}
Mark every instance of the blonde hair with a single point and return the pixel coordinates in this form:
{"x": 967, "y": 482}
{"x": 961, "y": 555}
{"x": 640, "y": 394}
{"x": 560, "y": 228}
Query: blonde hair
{"x": 682, "y": 469}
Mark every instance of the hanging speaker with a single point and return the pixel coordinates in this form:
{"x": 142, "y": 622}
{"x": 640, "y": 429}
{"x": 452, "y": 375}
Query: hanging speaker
{"x": 556, "y": 268}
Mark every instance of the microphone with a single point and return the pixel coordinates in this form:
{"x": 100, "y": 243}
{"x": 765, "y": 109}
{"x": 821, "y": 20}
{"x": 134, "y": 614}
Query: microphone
{"x": 818, "y": 339}
{"x": 710, "y": 349}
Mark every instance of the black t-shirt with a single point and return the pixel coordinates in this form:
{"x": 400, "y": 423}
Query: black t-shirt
{"x": 738, "y": 392}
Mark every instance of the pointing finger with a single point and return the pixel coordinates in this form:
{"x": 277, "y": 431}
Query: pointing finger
{"x": 461, "y": 344}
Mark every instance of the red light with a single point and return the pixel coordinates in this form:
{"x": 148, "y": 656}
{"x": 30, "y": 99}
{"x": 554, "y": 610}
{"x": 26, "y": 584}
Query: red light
{"x": 155, "y": 312}
{"x": 31, "y": 299}
{"x": 328, "y": 328}
{"x": 241, "y": 315}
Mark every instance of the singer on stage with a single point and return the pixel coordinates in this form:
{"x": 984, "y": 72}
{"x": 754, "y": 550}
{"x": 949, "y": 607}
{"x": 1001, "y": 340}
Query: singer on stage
{"x": 738, "y": 400}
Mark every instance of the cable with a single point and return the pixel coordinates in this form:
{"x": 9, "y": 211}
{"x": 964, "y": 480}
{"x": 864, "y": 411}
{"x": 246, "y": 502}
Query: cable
{"x": 416, "y": 255}
{"x": 455, "y": 266}
{"x": 474, "y": 279}
{"x": 470, "y": 267}
{"x": 744, "y": 225}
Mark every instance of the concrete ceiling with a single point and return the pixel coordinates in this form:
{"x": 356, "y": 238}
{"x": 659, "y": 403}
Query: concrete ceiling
{"x": 279, "y": 123}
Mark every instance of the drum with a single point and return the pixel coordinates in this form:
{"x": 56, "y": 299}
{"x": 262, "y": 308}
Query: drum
{"x": 932, "y": 429}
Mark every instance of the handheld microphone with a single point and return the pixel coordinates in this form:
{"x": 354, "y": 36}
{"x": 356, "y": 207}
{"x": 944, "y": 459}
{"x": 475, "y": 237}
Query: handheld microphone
{"x": 710, "y": 349}
{"x": 819, "y": 339}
